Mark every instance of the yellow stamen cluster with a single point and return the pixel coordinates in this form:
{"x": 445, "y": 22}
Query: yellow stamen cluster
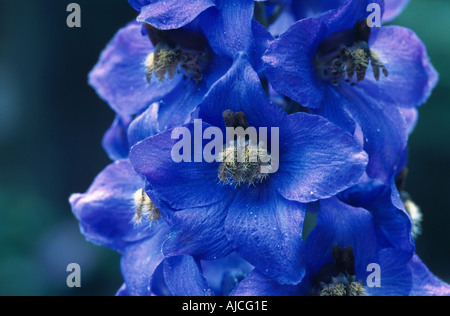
{"x": 342, "y": 286}
{"x": 242, "y": 170}
{"x": 167, "y": 60}
{"x": 351, "y": 60}
{"x": 145, "y": 207}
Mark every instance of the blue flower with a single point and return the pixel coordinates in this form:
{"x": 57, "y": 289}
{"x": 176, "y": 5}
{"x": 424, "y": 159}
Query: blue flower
{"x": 116, "y": 213}
{"x": 323, "y": 64}
{"x": 263, "y": 220}
{"x": 174, "y": 67}
{"x": 227, "y": 24}
{"x": 290, "y": 11}
{"x": 340, "y": 255}
{"x": 132, "y": 73}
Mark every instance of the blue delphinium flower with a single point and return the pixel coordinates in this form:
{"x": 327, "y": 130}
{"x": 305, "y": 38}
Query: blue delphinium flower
{"x": 261, "y": 217}
{"x": 174, "y": 65}
{"x": 199, "y": 228}
{"x": 133, "y": 73}
{"x": 116, "y": 213}
{"x": 339, "y": 256}
{"x": 290, "y": 11}
{"x": 323, "y": 64}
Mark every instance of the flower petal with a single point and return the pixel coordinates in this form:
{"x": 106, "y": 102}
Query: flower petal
{"x": 266, "y": 230}
{"x": 411, "y": 76}
{"x": 172, "y": 14}
{"x": 228, "y": 27}
{"x": 200, "y": 232}
{"x": 342, "y": 225}
{"x": 120, "y": 75}
{"x": 240, "y": 90}
{"x": 107, "y": 209}
{"x": 144, "y": 126}
{"x": 393, "y": 8}
{"x": 140, "y": 260}
{"x": 224, "y": 275}
{"x": 396, "y": 277}
{"x": 184, "y": 277}
{"x": 115, "y": 140}
{"x": 384, "y": 129}
{"x": 320, "y": 161}
{"x": 257, "y": 284}
{"x": 424, "y": 282}
{"x": 183, "y": 185}
{"x": 290, "y": 66}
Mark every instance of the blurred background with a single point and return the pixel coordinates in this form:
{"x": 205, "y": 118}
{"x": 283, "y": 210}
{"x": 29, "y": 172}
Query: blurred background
{"x": 52, "y": 123}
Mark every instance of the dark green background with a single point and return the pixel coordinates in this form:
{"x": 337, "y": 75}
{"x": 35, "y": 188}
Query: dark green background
{"x": 52, "y": 122}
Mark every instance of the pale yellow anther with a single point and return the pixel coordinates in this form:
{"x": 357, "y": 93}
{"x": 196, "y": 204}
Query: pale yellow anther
{"x": 145, "y": 207}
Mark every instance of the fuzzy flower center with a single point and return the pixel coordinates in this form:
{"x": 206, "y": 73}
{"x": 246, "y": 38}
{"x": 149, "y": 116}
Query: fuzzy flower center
{"x": 242, "y": 157}
{"x": 145, "y": 208}
{"x": 338, "y": 278}
{"x": 169, "y": 60}
{"x": 242, "y": 163}
{"x": 342, "y": 285}
{"x": 338, "y": 61}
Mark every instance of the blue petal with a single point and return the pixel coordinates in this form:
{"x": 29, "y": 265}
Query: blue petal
{"x": 348, "y": 14}
{"x": 257, "y": 284}
{"x": 290, "y": 66}
{"x": 284, "y": 21}
{"x": 240, "y": 90}
{"x": 424, "y": 282}
{"x": 140, "y": 260}
{"x": 392, "y": 223}
{"x": 228, "y": 27}
{"x": 172, "y": 14}
{"x": 182, "y": 185}
{"x": 393, "y": 8}
{"x": 266, "y": 230}
{"x": 411, "y": 75}
{"x": 176, "y": 108}
{"x": 396, "y": 277}
{"x": 200, "y": 232}
{"x": 392, "y": 220}
{"x": 384, "y": 128}
{"x": 263, "y": 39}
{"x": 107, "y": 209}
{"x": 313, "y": 8}
{"x": 342, "y": 225}
{"x": 290, "y": 60}
{"x": 411, "y": 117}
{"x": 335, "y": 112}
{"x": 120, "y": 75}
{"x": 115, "y": 140}
{"x": 184, "y": 277}
{"x": 144, "y": 126}
{"x": 138, "y": 4}
{"x": 224, "y": 275}
{"x": 320, "y": 161}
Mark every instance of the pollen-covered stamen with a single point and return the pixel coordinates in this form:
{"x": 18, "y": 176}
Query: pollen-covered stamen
{"x": 145, "y": 208}
{"x": 412, "y": 208}
{"x": 342, "y": 285}
{"x": 242, "y": 158}
{"x": 338, "y": 277}
{"x": 414, "y": 213}
{"x": 345, "y": 54}
{"x": 234, "y": 170}
{"x": 170, "y": 60}
{"x": 350, "y": 61}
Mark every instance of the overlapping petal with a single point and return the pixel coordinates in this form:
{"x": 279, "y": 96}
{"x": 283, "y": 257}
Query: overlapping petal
{"x": 107, "y": 209}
